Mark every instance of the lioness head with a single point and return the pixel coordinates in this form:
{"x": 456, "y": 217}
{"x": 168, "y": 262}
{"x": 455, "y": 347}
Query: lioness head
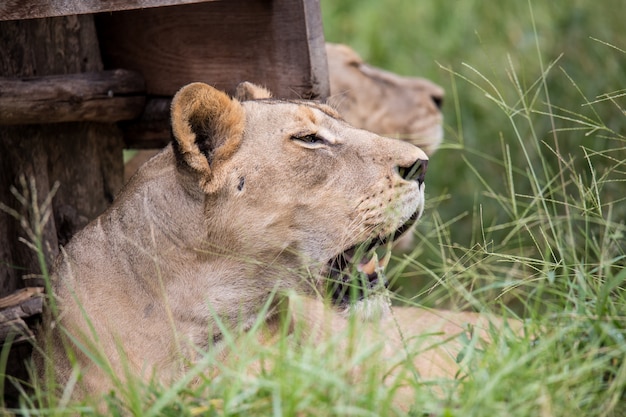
{"x": 252, "y": 198}
{"x": 383, "y": 102}
{"x": 294, "y": 179}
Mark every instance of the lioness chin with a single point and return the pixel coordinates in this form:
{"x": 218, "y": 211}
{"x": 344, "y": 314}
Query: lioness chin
{"x": 255, "y": 197}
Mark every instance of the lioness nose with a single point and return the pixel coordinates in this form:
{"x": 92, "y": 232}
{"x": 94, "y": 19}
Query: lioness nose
{"x": 414, "y": 172}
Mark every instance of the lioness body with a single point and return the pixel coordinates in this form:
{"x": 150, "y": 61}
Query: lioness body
{"x": 252, "y": 199}
{"x": 430, "y": 339}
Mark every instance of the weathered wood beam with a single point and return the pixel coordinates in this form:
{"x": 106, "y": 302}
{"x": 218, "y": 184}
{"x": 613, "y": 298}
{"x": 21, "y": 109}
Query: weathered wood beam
{"x": 106, "y": 96}
{"x": 15, "y": 309}
{"x": 278, "y": 44}
{"x": 85, "y": 158}
{"x": 31, "y": 9}
{"x": 16, "y": 299}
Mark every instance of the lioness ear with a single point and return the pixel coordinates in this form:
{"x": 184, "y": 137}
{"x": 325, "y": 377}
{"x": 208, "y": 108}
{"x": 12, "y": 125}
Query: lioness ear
{"x": 208, "y": 127}
{"x": 248, "y": 91}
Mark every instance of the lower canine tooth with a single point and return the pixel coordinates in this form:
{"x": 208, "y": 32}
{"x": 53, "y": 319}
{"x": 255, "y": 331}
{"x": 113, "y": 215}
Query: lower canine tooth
{"x": 370, "y": 267}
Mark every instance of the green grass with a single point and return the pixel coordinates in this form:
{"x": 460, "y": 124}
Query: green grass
{"x": 526, "y": 217}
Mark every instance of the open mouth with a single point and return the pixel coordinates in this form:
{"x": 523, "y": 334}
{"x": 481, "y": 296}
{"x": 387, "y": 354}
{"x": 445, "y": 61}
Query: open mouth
{"x": 359, "y": 270}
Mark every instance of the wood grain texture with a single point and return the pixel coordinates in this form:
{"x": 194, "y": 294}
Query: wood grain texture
{"x": 31, "y": 9}
{"x": 18, "y": 307}
{"x": 85, "y": 158}
{"x": 275, "y": 43}
{"x": 18, "y": 312}
{"x": 107, "y": 96}
{"x": 17, "y": 298}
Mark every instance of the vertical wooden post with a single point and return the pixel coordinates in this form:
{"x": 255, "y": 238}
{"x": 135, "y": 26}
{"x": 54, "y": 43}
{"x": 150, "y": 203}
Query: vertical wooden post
{"x": 85, "y": 158}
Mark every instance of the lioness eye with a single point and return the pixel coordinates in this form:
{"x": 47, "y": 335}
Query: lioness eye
{"x": 310, "y": 141}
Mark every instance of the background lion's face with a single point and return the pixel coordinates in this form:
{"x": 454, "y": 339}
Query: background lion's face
{"x": 383, "y": 102}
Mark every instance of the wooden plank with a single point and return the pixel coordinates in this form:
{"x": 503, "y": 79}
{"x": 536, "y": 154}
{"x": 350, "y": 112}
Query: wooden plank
{"x": 106, "y": 96}
{"x": 278, "y": 44}
{"x": 31, "y": 9}
{"x": 17, "y": 298}
{"x": 15, "y": 310}
{"x": 85, "y": 158}
{"x": 318, "y": 64}
{"x": 26, "y": 308}
{"x": 18, "y": 329}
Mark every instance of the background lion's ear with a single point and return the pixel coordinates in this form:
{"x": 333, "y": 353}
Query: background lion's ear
{"x": 248, "y": 91}
{"x": 208, "y": 127}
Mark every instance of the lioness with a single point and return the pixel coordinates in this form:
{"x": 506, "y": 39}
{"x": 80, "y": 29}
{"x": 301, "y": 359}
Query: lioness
{"x": 251, "y": 199}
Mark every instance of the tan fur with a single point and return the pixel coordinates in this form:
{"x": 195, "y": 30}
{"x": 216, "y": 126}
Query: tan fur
{"x": 247, "y": 91}
{"x": 433, "y": 336}
{"x": 383, "y": 102}
{"x": 238, "y": 209}
{"x": 218, "y": 118}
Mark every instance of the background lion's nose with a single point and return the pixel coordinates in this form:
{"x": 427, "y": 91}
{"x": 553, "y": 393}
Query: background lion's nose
{"x": 414, "y": 172}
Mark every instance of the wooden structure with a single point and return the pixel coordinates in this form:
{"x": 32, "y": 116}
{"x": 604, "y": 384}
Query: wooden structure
{"x": 82, "y": 79}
